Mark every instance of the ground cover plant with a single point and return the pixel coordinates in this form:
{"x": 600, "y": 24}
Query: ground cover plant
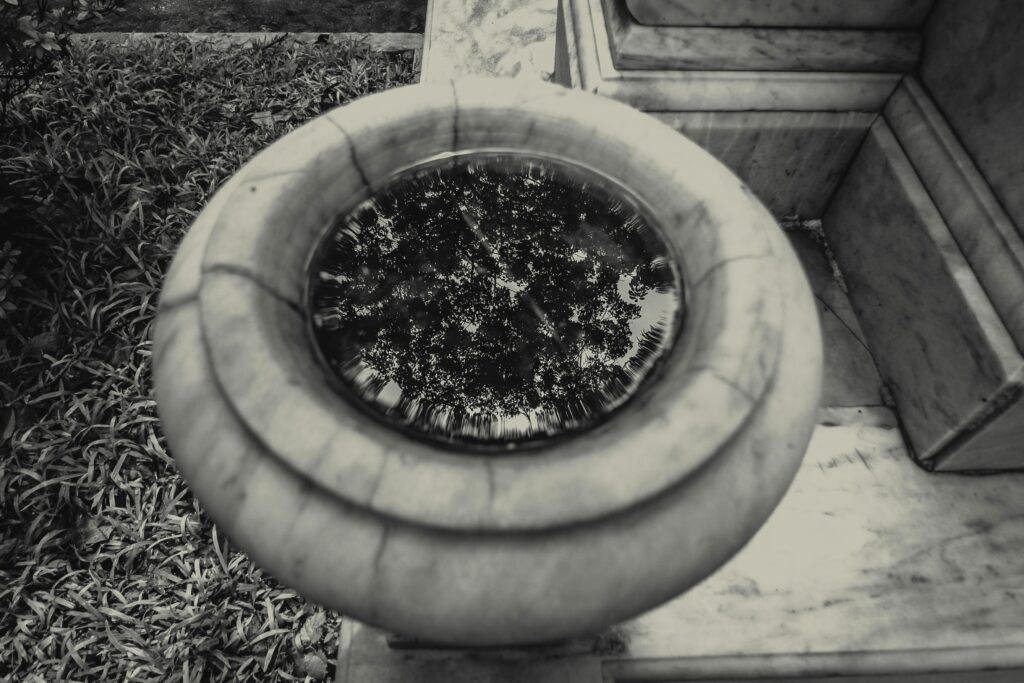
{"x": 35, "y": 32}
{"x": 266, "y": 15}
{"x": 109, "y": 569}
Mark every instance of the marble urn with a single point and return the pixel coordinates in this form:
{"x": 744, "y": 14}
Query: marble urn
{"x": 449, "y": 542}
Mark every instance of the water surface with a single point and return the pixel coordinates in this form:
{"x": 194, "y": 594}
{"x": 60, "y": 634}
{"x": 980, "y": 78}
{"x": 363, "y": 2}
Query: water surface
{"x": 494, "y": 300}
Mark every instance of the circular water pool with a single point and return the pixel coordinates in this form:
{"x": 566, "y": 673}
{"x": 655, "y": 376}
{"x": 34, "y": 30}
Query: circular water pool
{"x": 494, "y": 300}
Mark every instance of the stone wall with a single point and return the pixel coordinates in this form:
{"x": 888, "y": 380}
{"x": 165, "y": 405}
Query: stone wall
{"x": 973, "y": 67}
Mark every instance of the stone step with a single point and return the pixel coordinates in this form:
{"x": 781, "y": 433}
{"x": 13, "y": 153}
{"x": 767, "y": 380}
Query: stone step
{"x": 739, "y": 48}
{"x": 785, "y": 13}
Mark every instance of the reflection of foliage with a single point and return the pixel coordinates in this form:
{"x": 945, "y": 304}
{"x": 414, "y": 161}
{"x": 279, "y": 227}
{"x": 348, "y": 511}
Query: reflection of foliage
{"x": 485, "y": 294}
{"x": 32, "y": 34}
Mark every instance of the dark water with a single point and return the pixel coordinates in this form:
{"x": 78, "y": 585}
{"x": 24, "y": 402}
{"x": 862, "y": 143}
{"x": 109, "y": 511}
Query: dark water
{"x": 494, "y": 300}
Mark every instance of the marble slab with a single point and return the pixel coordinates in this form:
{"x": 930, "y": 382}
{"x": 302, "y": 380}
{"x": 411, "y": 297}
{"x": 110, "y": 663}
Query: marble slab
{"x": 868, "y": 566}
{"x": 793, "y": 161}
{"x": 940, "y": 345}
{"x": 830, "y": 13}
{"x": 973, "y": 66}
{"x": 983, "y": 231}
{"x": 639, "y": 46}
{"x": 509, "y": 38}
{"x": 593, "y": 69}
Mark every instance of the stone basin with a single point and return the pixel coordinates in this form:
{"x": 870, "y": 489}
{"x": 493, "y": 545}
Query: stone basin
{"x": 450, "y": 541}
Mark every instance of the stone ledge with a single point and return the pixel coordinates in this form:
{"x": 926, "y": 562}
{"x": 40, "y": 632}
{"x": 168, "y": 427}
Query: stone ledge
{"x": 821, "y": 13}
{"x": 940, "y": 345}
{"x": 590, "y": 66}
{"x": 983, "y": 231}
{"x": 638, "y": 46}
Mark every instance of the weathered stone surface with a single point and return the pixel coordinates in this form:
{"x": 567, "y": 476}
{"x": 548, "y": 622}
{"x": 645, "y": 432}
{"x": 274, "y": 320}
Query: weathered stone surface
{"x": 973, "y": 66}
{"x": 824, "y": 13}
{"x": 874, "y": 566}
{"x": 395, "y": 531}
{"x": 793, "y": 161}
{"x": 940, "y": 345}
{"x": 508, "y": 38}
{"x": 867, "y": 554}
{"x": 851, "y": 378}
{"x": 983, "y": 231}
{"x": 594, "y": 70}
{"x": 638, "y": 46}
{"x": 725, "y": 258}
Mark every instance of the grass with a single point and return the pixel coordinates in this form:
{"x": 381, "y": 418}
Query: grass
{"x": 109, "y": 569}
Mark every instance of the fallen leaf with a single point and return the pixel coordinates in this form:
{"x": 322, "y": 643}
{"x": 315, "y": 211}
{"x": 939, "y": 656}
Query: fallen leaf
{"x": 312, "y": 630}
{"x": 314, "y": 665}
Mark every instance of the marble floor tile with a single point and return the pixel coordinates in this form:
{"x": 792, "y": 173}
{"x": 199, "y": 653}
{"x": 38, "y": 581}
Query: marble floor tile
{"x": 512, "y": 38}
{"x": 867, "y": 552}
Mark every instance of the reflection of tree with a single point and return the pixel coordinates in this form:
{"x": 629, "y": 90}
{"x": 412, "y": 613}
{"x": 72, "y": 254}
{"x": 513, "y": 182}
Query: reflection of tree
{"x": 489, "y": 300}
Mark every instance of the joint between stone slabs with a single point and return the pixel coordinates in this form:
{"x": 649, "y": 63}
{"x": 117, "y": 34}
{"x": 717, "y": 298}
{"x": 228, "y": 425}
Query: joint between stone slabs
{"x": 245, "y": 273}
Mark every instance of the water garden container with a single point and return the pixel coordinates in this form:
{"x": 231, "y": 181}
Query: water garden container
{"x": 487, "y": 362}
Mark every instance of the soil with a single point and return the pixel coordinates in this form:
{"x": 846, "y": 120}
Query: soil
{"x": 317, "y": 16}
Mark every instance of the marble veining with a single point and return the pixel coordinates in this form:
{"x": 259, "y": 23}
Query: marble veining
{"x": 509, "y": 38}
{"x": 973, "y": 66}
{"x": 993, "y": 445}
{"x": 850, "y": 376}
{"x": 869, "y": 565}
{"x": 667, "y": 90}
{"x": 939, "y": 343}
{"x": 825, "y": 13}
{"x": 638, "y": 46}
{"x": 983, "y": 231}
{"x": 793, "y": 161}
{"x": 867, "y": 552}
{"x": 297, "y": 475}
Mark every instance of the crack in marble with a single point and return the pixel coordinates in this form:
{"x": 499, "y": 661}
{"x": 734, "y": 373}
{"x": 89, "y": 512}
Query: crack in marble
{"x": 243, "y": 272}
{"x": 375, "y": 582}
{"x": 746, "y": 257}
{"x": 377, "y": 481}
{"x": 455, "y": 117}
{"x": 842, "y": 322}
{"x": 363, "y": 178}
{"x": 731, "y": 383}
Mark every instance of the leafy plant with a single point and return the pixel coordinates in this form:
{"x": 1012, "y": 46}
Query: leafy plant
{"x": 32, "y": 34}
{"x": 109, "y": 569}
{"x": 10, "y": 279}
